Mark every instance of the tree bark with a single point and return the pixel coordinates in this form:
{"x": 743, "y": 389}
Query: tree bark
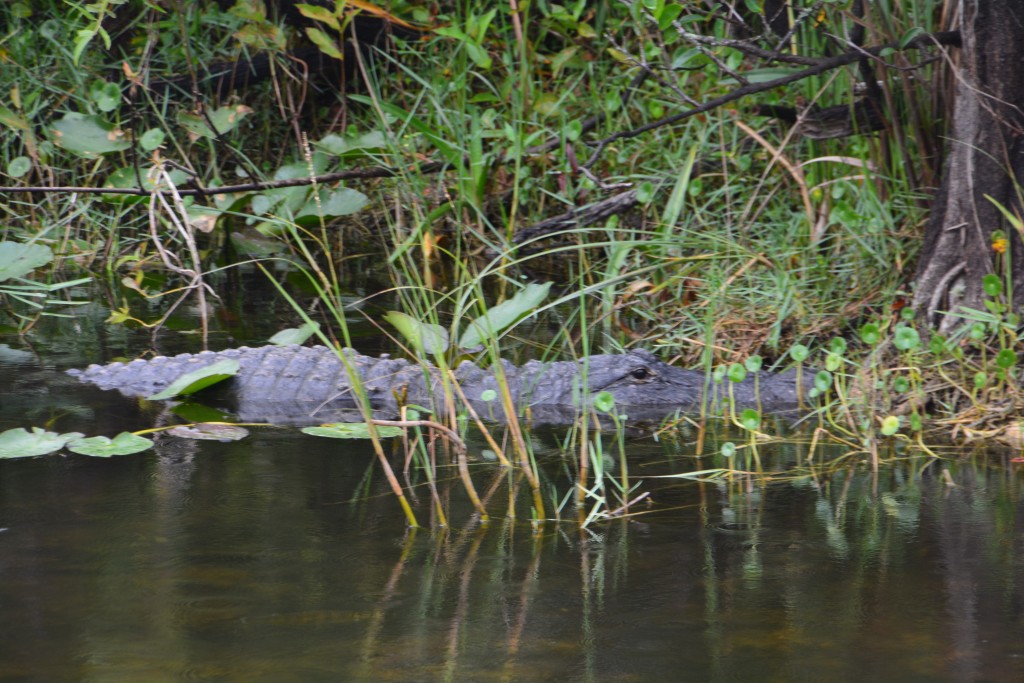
{"x": 985, "y": 158}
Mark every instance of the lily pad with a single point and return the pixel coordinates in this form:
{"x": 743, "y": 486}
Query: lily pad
{"x": 350, "y": 430}
{"x": 88, "y": 136}
{"x": 210, "y": 431}
{"x": 197, "y": 380}
{"x": 17, "y": 259}
{"x": 20, "y": 443}
{"x": 124, "y": 443}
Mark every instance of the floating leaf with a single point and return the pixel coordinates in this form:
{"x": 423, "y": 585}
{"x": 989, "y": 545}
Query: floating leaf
{"x": 209, "y": 431}
{"x": 197, "y": 380}
{"x": 18, "y": 260}
{"x": 426, "y": 338}
{"x": 350, "y": 430}
{"x": 295, "y": 335}
{"x": 496, "y": 319}
{"x": 124, "y": 443}
{"x": 19, "y": 443}
{"x": 88, "y": 136}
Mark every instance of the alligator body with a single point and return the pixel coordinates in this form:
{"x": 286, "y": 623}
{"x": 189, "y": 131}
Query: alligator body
{"x": 295, "y": 384}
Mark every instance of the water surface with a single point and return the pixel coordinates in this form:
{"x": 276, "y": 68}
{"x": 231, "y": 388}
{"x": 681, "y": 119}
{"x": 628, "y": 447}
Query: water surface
{"x": 284, "y": 558}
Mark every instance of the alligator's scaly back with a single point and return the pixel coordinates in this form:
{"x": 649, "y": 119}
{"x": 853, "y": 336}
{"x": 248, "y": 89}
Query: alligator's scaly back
{"x": 288, "y": 384}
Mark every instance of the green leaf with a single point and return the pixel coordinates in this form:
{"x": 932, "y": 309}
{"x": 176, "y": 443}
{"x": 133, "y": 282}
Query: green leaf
{"x": 88, "y": 136}
{"x": 321, "y": 14}
{"x": 224, "y": 120}
{"x": 823, "y": 381}
{"x": 19, "y": 443}
{"x": 19, "y": 166}
{"x": 750, "y": 419}
{"x": 645, "y": 192}
{"x": 870, "y": 334}
{"x": 502, "y": 316}
{"x": 327, "y": 44}
{"x": 890, "y": 425}
{"x": 426, "y": 338}
{"x": 728, "y": 449}
{"x": 479, "y": 55}
{"x": 604, "y": 401}
{"x": 151, "y": 139}
{"x": 124, "y": 443}
{"x": 992, "y": 284}
{"x": 18, "y": 260}
{"x": 1006, "y": 359}
{"x": 753, "y": 363}
{"x": 799, "y": 352}
{"x": 340, "y": 145}
{"x": 350, "y": 430}
{"x": 197, "y": 380}
{"x": 737, "y": 373}
{"x": 906, "y": 339}
{"x": 341, "y": 201}
{"x": 295, "y": 335}
{"x": 107, "y": 96}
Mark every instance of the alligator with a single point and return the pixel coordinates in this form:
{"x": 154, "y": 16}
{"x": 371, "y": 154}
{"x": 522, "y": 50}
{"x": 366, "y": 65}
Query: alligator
{"x": 308, "y": 385}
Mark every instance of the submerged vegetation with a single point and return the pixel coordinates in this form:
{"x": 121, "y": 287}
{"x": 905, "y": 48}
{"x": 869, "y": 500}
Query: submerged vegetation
{"x": 614, "y": 174}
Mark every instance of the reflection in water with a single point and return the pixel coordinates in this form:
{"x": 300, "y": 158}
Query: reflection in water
{"x": 283, "y": 558}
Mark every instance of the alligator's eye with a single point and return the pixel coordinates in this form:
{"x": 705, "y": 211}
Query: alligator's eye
{"x": 641, "y": 374}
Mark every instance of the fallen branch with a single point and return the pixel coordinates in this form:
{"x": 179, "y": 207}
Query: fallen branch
{"x": 185, "y": 191}
{"x": 578, "y": 218}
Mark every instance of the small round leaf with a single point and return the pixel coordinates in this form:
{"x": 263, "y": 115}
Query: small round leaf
{"x": 906, "y": 339}
{"x": 799, "y": 352}
{"x": 890, "y": 425}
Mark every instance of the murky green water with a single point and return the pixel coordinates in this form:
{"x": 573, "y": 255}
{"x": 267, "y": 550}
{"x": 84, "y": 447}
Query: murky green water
{"x": 284, "y": 558}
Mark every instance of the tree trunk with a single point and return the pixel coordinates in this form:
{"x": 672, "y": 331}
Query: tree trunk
{"x": 985, "y": 158}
